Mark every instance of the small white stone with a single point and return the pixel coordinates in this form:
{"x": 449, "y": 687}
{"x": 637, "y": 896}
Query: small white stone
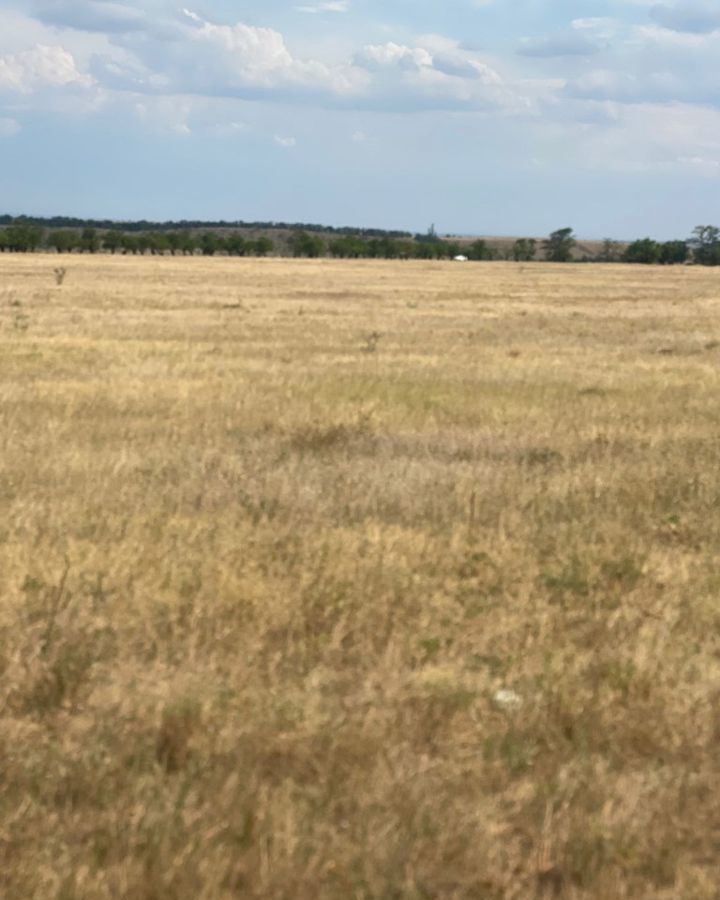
{"x": 507, "y": 700}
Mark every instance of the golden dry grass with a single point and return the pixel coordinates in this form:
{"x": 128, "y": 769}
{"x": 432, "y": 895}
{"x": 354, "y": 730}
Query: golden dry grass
{"x": 276, "y": 534}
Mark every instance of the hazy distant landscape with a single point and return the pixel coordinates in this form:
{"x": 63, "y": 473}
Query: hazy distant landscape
{"x": 189, "y": 238}
{"x": 357, "y": 579}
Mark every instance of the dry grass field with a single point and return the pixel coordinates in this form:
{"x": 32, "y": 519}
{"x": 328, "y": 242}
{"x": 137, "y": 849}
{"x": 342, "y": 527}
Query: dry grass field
{"x": 358, "y": 581}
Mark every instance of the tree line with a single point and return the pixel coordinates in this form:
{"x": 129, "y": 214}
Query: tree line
{"x": 70, "y": 222}
{"x": 24, "y": 238}
{"x": 702, "y": 248}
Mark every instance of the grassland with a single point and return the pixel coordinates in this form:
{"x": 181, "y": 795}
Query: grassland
{"x": 276, "y": 537}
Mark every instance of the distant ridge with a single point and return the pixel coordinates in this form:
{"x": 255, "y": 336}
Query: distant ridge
{"x": 139, "y": 225}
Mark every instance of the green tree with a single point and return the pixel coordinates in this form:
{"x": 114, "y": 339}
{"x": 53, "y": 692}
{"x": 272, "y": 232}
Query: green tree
{"x": 560, "y": 245}
{"x": 159, "y": 244}
{"x": 673, "y": 253}
{"x": 338, "y": 248}
{"x": 23, "y": 238}
{"x": 645, "y": 251}
{"x": 428, "y": 249}
{"x": 129, "y": 244}
{"x": 383, "y": 248}
{"x": 112, "y": 241}
{"x": 263, "y": 245}
{"x": 524, "y": 249}
{"x": 236, "y": 245}
{"x": 296, "y": 242}
{"x": 405, "y": 249}
{"x": 174, "y": 242}
{"x": 209, "y": 243}
{"x": 705, "y": 244}
{"x": 144, "y": 243}
{"x": 304, "y": 244}
{"x": 348, "y": 247}
{"x": 315, "y": 246}
{"x": 188, "y": 244}
{"x": 89, "y": 241}
{"x": 480, "y": 251}
{"x": 34, "y": 237}
{"x": 64, "y": 241}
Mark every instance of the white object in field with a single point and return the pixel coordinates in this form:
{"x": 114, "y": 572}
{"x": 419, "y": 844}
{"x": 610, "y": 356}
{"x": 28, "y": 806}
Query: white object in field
{"x": 460, "y": 259}
{"x": 507, "y": 700}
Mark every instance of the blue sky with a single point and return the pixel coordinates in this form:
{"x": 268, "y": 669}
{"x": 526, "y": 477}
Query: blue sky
{"x": 481, "y": 116}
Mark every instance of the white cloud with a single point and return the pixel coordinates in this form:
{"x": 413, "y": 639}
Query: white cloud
{"x": 449, "y": 78}
{"x": 250, "y": 62}
{"x": 385, "y": 56}
{"x": 231, "y": 57}
{"x": 454, "y": 62}
{"x": 287, "y": 142}
{"x": 199, "y": 59}
{"x": 332, "y": 6}
{"x": 41, "y": 67}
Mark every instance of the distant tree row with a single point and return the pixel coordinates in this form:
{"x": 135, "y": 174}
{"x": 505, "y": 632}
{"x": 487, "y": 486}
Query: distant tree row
{"x": 703, "y": 248}
{"x": 140, "y": 225}
{"x": 561, "y": 246}
{"x": 28, "y": 238}
{"x": 419, "y": 248}
{"x": 24, "y": 238}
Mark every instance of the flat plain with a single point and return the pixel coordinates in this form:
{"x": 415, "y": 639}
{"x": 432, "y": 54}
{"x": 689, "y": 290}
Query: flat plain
{"x": 377, "y": 581}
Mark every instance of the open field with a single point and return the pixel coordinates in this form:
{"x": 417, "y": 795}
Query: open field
{"x": 275, "y": 537}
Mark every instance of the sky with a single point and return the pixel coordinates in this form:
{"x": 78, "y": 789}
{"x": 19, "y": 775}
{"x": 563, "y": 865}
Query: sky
{"x": 478, "y": 116}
